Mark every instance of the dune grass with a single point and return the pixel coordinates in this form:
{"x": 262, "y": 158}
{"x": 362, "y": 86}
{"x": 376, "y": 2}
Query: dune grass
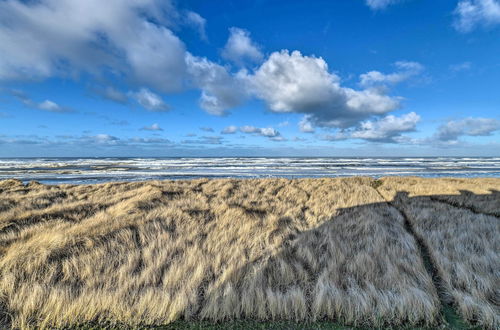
{"x": 157, "y": 252}
{"x": 461, "y": 230}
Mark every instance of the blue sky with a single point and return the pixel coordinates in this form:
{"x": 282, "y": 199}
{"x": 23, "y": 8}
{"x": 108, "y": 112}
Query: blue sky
{"x": 249, "y": 78}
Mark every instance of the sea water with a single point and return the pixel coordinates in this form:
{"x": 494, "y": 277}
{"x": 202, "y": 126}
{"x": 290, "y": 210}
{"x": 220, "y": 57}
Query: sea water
{"x": 98, "y": 170}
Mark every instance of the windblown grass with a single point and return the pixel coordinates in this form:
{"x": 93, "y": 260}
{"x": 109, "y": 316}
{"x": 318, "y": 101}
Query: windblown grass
{"x": 155, "y": 252}
{"x": 461, "y": 228}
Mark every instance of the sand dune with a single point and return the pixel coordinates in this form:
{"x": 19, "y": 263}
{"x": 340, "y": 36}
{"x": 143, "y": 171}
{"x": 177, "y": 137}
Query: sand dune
{"x": 347, "y": 250}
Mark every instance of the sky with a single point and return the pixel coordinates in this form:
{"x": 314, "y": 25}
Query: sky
{"x": 249, "y": 78}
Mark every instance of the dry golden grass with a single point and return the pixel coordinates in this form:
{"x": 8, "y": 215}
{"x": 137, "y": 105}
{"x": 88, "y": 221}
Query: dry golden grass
{"x": 268, "y": 249}
{"x": 458, "y": 220}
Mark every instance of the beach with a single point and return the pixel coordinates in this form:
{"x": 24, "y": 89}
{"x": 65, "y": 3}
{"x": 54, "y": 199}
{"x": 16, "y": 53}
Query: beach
{"x": 357, "y": 251}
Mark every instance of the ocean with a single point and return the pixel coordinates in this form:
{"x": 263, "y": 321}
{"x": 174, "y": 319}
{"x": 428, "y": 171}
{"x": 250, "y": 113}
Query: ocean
{"x": 98, "y": 170}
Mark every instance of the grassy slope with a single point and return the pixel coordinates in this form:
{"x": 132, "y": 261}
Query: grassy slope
{"x": 461, "y": 230}
{"x": 299, "y": 250}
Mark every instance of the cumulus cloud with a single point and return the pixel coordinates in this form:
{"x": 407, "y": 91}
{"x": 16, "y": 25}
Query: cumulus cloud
{"x": 153, "y": 127}
{"x": 240, "y": 47}
{"x": 229, "y": 130}
{"x": 128, "y": 39}
{"x": 305, "y": 125}
{"x": 133, "y": 40}
{"x": 405, "y": 70}
{"x": 150, "y": 100}
{"x": 386, "y": 129}
{"x": 207, "y": 129}
{"x": 380, "y": 4}
{"x": 220, "y": 89}
{"x": 291, "y": 82}
{"x": 198, "y": 22}
{"x": 267, "y": 131}
{"x": 470, "y": 126}
{"x": 470, "y": 14}
{"x": 36, "y": 40}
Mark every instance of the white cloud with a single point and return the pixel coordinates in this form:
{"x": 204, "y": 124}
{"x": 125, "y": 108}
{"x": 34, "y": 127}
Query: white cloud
{"x": 46, "y": 105}
{"x": 470, "y": 14}
{"x": 150, "y": 100}
{"x": 406, "y": 70}
{"x": 207, "y": 129}
{"x": 103, "y": 139}
{"x": 464, "y": 66}
{"x": 305, "y": 125}
{"x": 50, "y": 106}
{"x": 386, "y": 129}
{"x": 132, "y": 40}
{"x": 198, "y": 22}
{"x": 249, "y": 129}
{"x": 267, "y": 131}
{"x": 380, "y": 4}
{"x": 153, "y": 127}
{"x": 60, "y": 37}
{"x": 240, "y": 48}
{"x": 470, "y": 126}
{"x": 220, "y": 90}
{"x": 116, "y": 37}
{"x": 229, "y": 130}
{"x": 291, "y": 82}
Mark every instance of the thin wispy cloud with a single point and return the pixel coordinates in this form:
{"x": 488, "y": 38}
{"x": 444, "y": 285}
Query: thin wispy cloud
{"x": 380, "y": 4}
{"x": 471, "y": 14}
{"x": 229, "y": 130}
{"x": 240, "y": 47}
{"x": 153, "y": 127}
{"x": 46, "y": 105}
{"x": 405, "y": 70}
{"x": 112, "y": 94}
{"x": 471, "y": 126}
{"x": 460, "y": 67}
{"x": 198, "y": 23}
{"x": 149, "y": 100}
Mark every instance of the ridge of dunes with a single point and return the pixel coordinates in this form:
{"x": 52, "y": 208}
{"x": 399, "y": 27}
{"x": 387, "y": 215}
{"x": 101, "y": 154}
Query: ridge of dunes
{"x": 150, "y": 253}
